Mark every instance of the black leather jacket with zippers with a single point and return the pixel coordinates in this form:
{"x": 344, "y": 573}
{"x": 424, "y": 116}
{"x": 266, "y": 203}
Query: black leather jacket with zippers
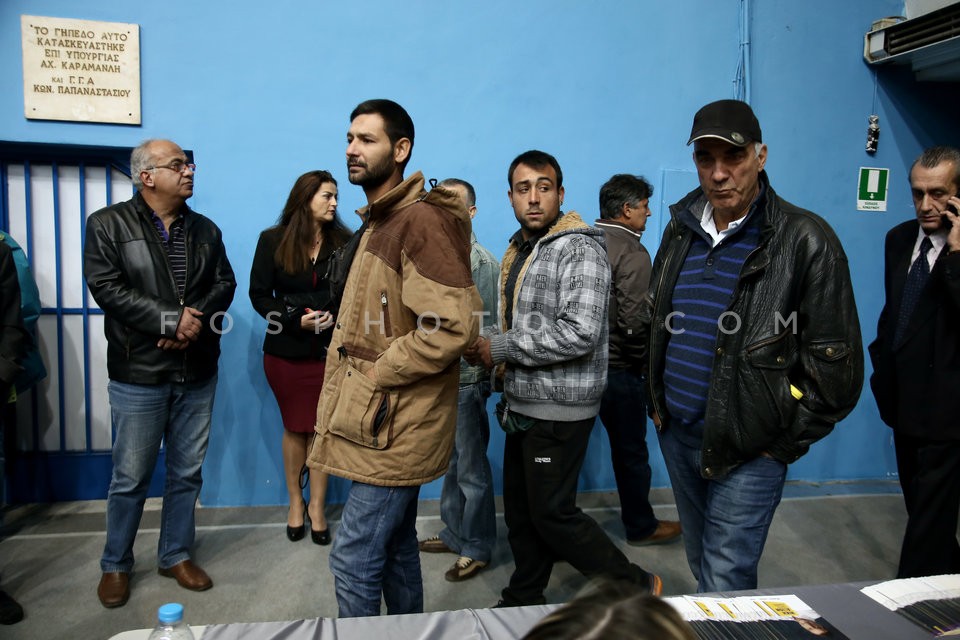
{"x": 128, "y": 273}
{"x": 798, "y": 327}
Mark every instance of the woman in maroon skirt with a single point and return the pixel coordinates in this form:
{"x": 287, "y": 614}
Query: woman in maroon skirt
{"x": 289, "y": 287}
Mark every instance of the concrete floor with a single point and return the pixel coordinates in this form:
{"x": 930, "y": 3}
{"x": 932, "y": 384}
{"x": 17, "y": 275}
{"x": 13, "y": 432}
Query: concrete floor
{"x": 49, "y": 560}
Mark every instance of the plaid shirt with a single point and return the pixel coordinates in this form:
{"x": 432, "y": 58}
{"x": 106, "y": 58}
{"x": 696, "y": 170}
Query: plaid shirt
{"x": 556, "y": 349}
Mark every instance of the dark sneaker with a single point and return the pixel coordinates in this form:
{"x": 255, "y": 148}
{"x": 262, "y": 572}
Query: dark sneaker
{"x": 10, "y": 611}
{"x": 434, "y": 545}
{"x": 464, "y": 569}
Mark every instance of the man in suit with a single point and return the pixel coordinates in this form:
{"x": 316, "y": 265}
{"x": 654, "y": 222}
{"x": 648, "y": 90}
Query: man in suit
{"x": 916, "y": 363}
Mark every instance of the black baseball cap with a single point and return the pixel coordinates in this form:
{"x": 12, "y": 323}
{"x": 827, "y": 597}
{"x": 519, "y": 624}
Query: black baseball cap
{"x": 729, "y": 120}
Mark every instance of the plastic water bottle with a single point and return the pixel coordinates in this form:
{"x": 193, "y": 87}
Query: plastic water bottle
{"x": 170, "y": 624}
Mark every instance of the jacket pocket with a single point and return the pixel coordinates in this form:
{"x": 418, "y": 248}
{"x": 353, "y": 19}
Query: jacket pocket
{"x": 364, "y": 411}
{"x": 831, "y": 364}
{"x": 774, "y": 407}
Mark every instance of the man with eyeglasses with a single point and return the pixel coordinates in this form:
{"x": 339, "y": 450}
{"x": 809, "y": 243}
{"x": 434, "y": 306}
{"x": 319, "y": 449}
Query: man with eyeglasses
{"x": 163, "y": 323}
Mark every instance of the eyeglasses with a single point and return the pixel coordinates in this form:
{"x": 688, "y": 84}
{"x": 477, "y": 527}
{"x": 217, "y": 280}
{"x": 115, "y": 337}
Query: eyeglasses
{"x": 177, "y": 166}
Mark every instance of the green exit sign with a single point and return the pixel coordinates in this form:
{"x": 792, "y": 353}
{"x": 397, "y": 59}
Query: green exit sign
{"x": 872, "y": 189}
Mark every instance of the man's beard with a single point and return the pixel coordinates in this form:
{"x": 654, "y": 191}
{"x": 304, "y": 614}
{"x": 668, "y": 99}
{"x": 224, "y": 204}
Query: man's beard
{"x": 372, "y": 176}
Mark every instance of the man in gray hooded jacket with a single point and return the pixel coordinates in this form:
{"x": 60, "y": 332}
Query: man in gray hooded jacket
{"x": 552, "y": 341}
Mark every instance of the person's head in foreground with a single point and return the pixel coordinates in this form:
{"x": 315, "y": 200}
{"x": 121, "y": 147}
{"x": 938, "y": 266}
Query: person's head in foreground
{"x": 611, "y": 610}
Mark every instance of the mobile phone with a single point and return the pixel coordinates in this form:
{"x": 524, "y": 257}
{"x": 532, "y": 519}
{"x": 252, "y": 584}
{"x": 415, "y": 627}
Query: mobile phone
{"x": 944, "y": 220}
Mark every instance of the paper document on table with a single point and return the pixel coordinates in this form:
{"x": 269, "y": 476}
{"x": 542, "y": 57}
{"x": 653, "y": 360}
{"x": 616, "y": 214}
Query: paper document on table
{"x": 775, "y": 616}
{"x": 932, "y": 602}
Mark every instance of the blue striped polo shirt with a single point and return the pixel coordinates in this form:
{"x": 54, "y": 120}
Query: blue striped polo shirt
{"x": 704, "y": 290}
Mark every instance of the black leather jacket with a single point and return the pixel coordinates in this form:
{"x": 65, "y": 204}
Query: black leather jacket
{"x": 129, "y": 275}
{"x": 798, "y": 326}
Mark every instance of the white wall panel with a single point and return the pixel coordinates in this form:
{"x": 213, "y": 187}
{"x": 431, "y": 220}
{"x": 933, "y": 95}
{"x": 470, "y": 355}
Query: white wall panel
{"x": 96, "y": 194}
{"x": 101, "y": 435}
{"x": 44, "y": 241}
{"x": 16, "y": 196}
{"x": 74, "y": 409}
{"x": 71, "y": 254}
{"x": 121, "y": 187}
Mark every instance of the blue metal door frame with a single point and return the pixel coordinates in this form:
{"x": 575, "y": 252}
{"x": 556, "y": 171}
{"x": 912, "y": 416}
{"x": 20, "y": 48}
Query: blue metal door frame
{"x": 35, "y": 474}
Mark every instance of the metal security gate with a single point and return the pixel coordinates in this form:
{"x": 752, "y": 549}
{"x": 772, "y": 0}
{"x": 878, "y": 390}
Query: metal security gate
{"x": 64, "y": 433}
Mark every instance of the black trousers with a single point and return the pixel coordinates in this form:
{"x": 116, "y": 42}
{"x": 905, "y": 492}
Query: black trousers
{"x": 541, "y": 468}
{"x": 930, "y": 478}
{"x": 623, "y": 411}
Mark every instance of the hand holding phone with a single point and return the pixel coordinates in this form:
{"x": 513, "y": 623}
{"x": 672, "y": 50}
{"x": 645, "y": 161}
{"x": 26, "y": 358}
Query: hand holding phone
{"x": 949, "y": 219}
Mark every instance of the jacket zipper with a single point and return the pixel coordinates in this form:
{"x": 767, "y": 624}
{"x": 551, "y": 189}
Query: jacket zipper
{"x": 176, "y": 292}
{"x": 388, "y": 331}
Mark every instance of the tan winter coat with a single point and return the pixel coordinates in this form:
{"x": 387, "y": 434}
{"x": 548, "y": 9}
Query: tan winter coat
{"x": 409, "y": 310}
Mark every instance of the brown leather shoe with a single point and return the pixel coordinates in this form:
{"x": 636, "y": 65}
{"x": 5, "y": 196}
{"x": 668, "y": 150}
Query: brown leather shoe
{"x": 114, "y": 589}
{"x": 188, "y": 575}
{"x": 656, "y": 585}
{"x": 434, "y": 545}
{"x": 666, "y": 531}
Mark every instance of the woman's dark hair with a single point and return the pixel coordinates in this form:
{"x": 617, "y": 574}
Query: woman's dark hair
{"x": 296, "y": 223}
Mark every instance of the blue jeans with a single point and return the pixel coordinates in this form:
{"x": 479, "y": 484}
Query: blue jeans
{"x": 375, "y": 552}
{"x": 466, "y": 500}
{"x": 143, "y": 415}
{"x": 726, "y": 520}
{"x": 623, "y": 411}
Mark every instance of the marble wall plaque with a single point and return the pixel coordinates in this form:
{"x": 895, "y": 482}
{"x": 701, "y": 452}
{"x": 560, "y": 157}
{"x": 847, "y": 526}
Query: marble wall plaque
{"x": 80, "y": 70}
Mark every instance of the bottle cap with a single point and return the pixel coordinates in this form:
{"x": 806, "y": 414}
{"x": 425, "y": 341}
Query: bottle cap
{"x": 170, "y": 612}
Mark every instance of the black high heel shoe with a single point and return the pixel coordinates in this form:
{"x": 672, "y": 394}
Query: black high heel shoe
{"x": 297, "y": 533}
{"x": 320, "y": 537}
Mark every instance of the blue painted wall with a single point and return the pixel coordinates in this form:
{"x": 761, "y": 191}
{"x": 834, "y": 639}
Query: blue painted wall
{"x": 262, "y": 91}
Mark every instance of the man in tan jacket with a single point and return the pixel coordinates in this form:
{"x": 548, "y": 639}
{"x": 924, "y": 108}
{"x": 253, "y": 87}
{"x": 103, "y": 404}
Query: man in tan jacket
{"x": 387, "y": 414}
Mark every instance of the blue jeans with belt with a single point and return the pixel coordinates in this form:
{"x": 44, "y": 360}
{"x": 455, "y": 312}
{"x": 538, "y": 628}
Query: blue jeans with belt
{"x": 725, "y": 520}
{"x": 466, "y": 499}
{"x": 144, "y": 415}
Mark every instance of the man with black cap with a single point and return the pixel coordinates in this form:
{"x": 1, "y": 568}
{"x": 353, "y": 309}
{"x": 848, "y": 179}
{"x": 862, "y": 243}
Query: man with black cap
{"x": 754, "y": 345}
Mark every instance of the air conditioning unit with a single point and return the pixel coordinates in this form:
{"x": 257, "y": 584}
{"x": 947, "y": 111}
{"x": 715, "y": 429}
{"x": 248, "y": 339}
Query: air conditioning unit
{"x": 929, "y": 43}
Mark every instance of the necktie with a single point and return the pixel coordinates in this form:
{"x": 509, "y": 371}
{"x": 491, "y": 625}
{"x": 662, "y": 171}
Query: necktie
{"x": 916, "y": 279}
